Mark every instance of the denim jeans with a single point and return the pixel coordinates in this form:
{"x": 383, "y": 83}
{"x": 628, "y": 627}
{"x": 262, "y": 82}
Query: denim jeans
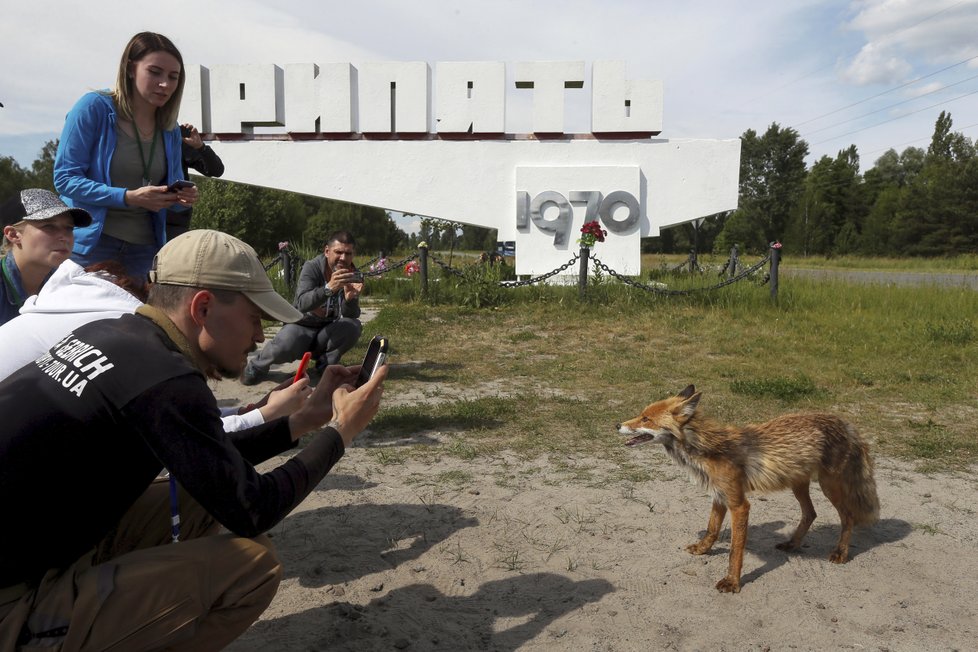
{"x": 136, "y": 258}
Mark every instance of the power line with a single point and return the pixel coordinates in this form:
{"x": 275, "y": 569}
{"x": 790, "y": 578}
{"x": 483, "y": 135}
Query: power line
{"x": 917, "y": 140}
{"x": 900, "y": 117}
{"x": 890, "y": 106}
{"x": 895, "y": 88}
{"x": 882, "y": 39}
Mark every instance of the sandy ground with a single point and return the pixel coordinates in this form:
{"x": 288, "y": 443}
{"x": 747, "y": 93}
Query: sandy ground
{"x": 505, "y": 554}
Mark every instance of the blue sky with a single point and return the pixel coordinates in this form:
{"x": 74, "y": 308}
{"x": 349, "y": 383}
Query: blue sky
{"x": 838, "y": 71}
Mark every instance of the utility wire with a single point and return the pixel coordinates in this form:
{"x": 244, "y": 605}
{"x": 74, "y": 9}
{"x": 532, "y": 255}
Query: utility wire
{"x": 890, "y": 106}
{"x": 895, "y": 88}
{"x": 900, "y": 117}
{"x": 917, "y": 140}
{"x": 882, "y": 39}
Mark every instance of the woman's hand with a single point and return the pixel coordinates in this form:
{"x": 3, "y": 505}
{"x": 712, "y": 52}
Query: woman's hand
{"x": 193, "y": 140}
{"x": 188, "y": 196}
{"x": 156, "y": 198}
{"x": 152, "y": 198}
{"x": 283, "y": 401}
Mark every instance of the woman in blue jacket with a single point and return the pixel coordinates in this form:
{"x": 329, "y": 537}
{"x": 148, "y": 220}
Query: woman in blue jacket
{"x": 119, "y": 153}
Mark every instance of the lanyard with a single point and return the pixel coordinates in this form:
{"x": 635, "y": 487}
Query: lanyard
{"x": 9, "y": 282}
{"x": 174, "y": 510}
{"x": 152, "y": 150}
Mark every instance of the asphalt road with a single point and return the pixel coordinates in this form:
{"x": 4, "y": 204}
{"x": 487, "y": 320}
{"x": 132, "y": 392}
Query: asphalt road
{"x": 969, "y": 280}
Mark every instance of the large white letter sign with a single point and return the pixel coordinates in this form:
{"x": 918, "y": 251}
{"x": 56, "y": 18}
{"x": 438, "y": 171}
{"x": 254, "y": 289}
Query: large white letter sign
{"x": 364, "y": 134}
{"x": 394, "y": 97}
{"x": 471, "y": 97}
{"x": 548, "y": 79}
{"x": 321, "y": 99}
{"x": 243, "y": 97}
{"x": 619, "y": 105}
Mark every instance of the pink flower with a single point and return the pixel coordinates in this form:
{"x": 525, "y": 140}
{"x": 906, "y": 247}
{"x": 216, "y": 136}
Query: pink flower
{"x": 411, "y": 267}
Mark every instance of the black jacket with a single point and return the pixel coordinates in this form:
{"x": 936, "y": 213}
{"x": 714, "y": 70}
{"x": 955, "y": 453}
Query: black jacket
{"x": 89, "y": 426}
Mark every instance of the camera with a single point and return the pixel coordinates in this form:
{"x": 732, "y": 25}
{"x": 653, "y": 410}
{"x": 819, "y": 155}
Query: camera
{"x": 185, "y": 131}
{"x": 357, "y": 277}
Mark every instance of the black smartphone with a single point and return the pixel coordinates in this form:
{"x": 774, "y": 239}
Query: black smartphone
{"x": 185, "y": 131}
{"x": 357, "y": 276}
{"x": 180, "y": 185}
{"x": 375, "y": 358}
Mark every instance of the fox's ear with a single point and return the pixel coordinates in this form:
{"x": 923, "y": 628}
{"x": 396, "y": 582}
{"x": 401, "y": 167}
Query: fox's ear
{"x": 688, "y": 408}
{"x": 686, "y": 393}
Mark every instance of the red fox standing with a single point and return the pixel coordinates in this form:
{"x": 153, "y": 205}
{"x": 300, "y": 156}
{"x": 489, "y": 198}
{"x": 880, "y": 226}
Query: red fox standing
{"x": 784, "y": 453}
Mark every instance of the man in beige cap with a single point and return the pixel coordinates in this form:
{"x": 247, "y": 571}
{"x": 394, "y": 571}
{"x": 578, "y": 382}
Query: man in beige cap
{"x": 97, "y": 552}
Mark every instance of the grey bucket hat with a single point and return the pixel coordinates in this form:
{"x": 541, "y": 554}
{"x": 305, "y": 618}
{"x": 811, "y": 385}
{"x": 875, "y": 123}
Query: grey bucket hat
{"x": 38, "y": 204}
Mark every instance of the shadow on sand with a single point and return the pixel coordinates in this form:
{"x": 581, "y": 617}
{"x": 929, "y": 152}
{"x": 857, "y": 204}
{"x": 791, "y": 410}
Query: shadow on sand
{"x": 817, "y": 545}
{"x": 499, "y": 615}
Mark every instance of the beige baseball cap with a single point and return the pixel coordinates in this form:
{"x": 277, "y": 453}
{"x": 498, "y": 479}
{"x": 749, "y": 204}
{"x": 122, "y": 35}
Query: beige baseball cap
{"x": 214, "y": 260}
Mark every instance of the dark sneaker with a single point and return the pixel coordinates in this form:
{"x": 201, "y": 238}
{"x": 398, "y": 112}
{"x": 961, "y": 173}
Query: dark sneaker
{"x": 250, "y": 375}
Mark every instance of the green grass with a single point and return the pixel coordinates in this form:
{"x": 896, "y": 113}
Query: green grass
{"x": 541, "y": 373}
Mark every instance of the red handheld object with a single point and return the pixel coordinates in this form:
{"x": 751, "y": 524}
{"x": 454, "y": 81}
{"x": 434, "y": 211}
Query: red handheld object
{"x": 302, "y": 366}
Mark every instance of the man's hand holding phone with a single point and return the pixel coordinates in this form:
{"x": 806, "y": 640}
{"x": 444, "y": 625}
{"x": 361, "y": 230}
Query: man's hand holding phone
{"x": 353, "y": 410}
{"x": 335, "y": 400}
{"x": 347, "y": 279}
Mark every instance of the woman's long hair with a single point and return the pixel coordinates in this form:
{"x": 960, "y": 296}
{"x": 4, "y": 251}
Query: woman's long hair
{"x": 138, "y": 47}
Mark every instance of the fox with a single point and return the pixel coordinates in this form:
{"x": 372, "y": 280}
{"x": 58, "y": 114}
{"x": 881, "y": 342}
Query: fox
{"x": 787, "y": 452}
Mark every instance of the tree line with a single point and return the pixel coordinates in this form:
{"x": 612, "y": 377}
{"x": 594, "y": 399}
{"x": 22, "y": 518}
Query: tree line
{"x": 920, "y": 202}
{"x": 915, "y": 203}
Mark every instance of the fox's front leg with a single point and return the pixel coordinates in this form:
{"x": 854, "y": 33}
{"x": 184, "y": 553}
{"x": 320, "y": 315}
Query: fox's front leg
{"x": 739, "y": 511}
{"x": 712, "y": 530}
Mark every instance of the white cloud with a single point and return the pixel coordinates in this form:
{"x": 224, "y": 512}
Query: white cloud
{"x": 905, "y": 36}
{"x": 877, "y": 65}
{"x": 726, "y": 66}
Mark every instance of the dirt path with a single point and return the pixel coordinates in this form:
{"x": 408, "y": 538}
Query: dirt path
{"x": 506, "y": 554}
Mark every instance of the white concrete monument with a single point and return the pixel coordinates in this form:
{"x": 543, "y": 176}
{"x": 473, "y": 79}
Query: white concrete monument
{"x": 364, "y": 134}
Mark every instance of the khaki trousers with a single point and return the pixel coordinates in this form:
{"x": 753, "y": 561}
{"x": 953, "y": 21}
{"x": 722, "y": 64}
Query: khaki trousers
{"x": 138, "y": 591}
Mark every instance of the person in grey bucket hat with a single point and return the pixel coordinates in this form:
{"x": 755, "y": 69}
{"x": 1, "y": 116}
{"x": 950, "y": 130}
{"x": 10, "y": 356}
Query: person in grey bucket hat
{"x": 38, "y": 234}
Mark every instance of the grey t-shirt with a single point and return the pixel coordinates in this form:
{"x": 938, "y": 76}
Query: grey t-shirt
{"x": 130, "y": 223}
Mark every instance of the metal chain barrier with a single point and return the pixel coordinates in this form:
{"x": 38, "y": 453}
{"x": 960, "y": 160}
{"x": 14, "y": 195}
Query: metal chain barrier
{"x": 542, "y": 277}
{"x": 388, "y": 267}
{"x": 445, "y": 266}
{"x": 654, "y": 290}
{"x": 743, "y": 273}
{"x": 509, "y": 284}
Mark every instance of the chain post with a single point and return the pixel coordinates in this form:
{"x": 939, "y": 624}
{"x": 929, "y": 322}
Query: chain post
{"x": 734, "y": 263}
{"x": 287, "y": 268}
{"x": 423, "y": 264}
{"x": 582, "y": 273}
{"x": 775, "y": 262}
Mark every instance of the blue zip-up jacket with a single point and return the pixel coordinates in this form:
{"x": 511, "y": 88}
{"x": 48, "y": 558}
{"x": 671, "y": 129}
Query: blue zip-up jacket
{"x": 81, "y": 167}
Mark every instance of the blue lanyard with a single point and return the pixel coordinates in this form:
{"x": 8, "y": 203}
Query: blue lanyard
{"x": 174, "y": 510}
{"x": 9, "y": 282}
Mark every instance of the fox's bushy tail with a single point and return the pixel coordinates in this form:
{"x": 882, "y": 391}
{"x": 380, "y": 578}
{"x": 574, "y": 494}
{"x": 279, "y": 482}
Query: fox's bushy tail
{"x": 861, "y": 498}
